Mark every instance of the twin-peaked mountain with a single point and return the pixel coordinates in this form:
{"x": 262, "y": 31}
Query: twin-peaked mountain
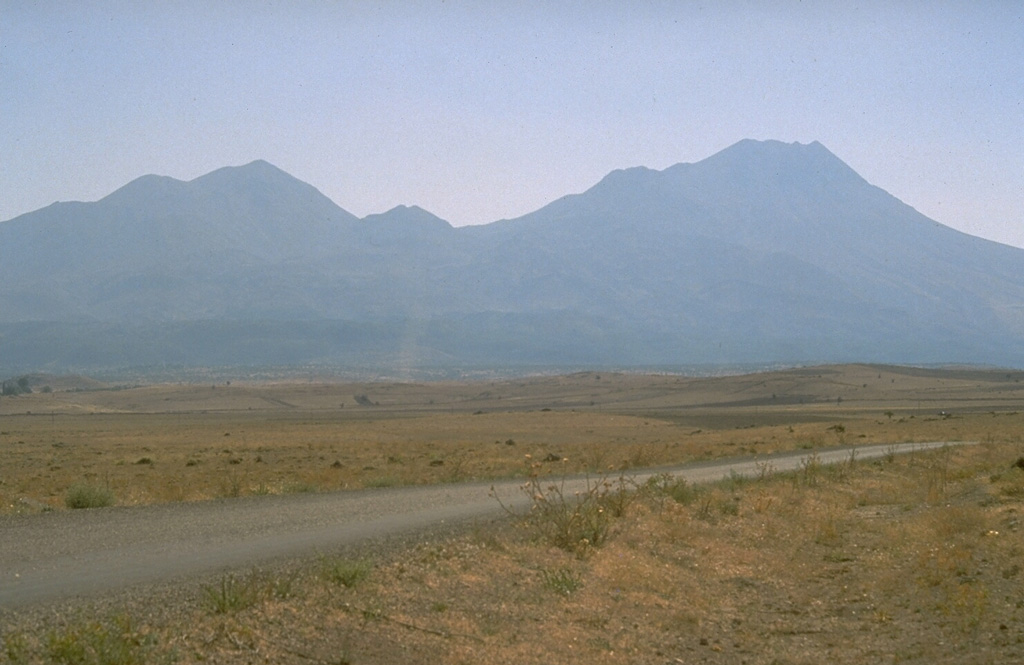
{"x": 765, "y": 252}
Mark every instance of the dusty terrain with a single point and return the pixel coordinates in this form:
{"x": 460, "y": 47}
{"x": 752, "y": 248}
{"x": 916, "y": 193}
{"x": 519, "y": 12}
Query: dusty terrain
{"x": 190, "y": 442}
{"x": 908, "y": 559}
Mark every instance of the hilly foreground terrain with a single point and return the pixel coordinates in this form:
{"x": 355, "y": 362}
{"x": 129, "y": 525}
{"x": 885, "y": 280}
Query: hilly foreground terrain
{"x": 763, "y": 253}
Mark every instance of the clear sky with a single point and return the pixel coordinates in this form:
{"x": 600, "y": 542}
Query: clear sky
{"x": 484, "y": 110}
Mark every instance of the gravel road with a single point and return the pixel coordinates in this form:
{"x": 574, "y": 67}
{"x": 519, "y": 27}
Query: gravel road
{"x": 65, "y": 555}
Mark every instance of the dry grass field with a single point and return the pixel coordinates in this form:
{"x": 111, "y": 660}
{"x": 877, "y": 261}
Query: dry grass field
{"x": 914, "y": 559}
{"x": 189, "y": 442}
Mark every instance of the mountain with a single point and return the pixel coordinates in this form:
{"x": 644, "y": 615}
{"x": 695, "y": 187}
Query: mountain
{"x": 159, "y": 248}
{"x": 763, "y": 253}
{"x": 775, "y": 251}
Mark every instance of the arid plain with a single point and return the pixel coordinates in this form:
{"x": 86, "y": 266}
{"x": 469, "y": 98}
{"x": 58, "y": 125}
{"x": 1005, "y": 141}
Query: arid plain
{"x": 188, "y": 442}
{"x": 906, "y": 560}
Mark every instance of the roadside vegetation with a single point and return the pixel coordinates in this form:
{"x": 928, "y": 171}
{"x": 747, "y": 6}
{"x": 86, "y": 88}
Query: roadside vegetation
{"x": 88, "y": 496}
{"x": 905, "y": 559}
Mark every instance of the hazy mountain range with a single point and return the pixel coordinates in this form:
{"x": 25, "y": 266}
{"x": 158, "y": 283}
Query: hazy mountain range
{"x": 765, "y": 252}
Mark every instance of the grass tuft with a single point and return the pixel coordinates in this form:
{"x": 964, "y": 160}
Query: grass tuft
{"x": 346, "y": 572}
{"x": 88, "y": 496}
{"x": 562, "y": 581}
{"x": 96, "y": 643}
{"x": 231, "y": 595}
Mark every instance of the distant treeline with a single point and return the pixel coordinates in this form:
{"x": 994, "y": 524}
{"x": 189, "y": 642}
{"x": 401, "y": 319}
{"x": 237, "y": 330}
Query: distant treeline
{"x": 19, "y": 386}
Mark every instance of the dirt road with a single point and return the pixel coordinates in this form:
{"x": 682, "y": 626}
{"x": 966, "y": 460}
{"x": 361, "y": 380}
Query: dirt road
{"x": 62, "y": 555}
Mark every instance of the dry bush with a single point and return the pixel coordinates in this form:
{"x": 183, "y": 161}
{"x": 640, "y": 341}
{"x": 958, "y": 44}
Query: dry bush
{"x": 576, "y": 522}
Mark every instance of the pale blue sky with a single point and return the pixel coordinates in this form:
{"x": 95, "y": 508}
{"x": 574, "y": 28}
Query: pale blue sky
{"x": 478, "y": 111}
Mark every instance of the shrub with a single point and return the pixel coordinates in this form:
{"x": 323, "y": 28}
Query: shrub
{"x": 88, "y": 496}
{"x": 675, "y": 488}
{"x": 617, "y": 496}
{"x": 580, "y": 521}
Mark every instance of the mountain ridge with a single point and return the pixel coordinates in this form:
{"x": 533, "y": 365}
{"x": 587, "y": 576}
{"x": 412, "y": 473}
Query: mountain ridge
{"x": 763, "y": 252}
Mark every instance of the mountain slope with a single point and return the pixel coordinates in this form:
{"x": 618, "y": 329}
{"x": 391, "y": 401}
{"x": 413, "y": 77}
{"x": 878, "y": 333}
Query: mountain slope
{"x": 787, "y": 250}
{"x": 764, "y": 252}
